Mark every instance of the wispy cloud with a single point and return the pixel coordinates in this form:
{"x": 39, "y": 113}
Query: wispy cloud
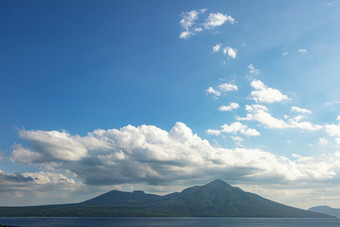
{"x": 225, "y": 87}
{"x": 322, "y": 141}
{"x": 231, "y": 106}
{"x": 187, "y": 22}
{"x": 302, "y": 51}
{"x": 217, "y": 19}
{"x": 230, "y": 52}
{"x": 222, "y": 88}
{"x": 212, "y": 91}
{"x": 192, "y": 23}
{"x": 300, "y": 110}
{"x": 260, "y": 113}
{"x": 252, "y": 69}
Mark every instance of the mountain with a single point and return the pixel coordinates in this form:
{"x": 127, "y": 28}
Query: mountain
{"x": 118, "y": 197}
{"x": 216, "y": 199}
{"x": 326, "y": 210}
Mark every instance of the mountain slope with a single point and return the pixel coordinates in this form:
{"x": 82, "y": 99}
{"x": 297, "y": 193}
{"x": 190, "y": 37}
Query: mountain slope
{"x": 326, "y": 210}
{"x": 220, "y": 199}
{"x": 216, "y": 199}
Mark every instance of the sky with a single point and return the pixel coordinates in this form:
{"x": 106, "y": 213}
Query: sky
{"x": 162, "y": 95}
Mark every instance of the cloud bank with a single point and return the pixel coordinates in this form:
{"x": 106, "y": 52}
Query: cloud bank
{"x": 147, "y": 154}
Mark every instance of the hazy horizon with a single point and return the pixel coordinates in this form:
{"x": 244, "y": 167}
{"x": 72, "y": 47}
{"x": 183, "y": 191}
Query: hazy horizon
{"x": 163, "y": 95}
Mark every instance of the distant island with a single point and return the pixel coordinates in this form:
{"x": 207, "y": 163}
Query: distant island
{"x": 216, "y": 199}
{"x": 326, "y": 210}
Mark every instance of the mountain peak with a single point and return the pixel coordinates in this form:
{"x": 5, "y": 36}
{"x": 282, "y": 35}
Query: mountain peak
{"x": 218, "y": 183}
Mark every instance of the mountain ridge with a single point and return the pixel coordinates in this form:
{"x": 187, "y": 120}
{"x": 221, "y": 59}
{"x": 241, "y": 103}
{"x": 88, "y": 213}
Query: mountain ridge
{"x": 215, "y": 199}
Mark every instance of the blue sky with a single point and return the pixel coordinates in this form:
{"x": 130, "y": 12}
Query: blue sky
{"x": 161, "y": 95}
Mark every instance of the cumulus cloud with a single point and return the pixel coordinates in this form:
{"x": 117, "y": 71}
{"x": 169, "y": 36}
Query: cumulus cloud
{"x": 192, "y": 23}
{"x": 147, "y": 154}
{"x": 300, "y": 110}
{"x": 285, "y": 53}
{"x": 52, "y": 145}
{"x": 231, "y": 106}
{"x": 260, "y": 113}
{"x": 152, "y": 155}
{"x": 266, "y": 94}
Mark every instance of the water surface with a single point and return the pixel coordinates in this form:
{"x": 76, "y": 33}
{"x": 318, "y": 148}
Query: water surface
{"x": 169, "y": 222}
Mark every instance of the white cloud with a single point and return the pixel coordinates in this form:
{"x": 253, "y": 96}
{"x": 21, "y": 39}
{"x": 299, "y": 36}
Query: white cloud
{"x": 337, "y": 140}
{"x": 230, "y": 107}
{"x": 185, "y": 34}
{"x": 227, "y": 87}
{"x": 338, "y": 118}
{"x": 188, "y": 19}
{"x": 222, "y": 88}
{"x": 302, "y": 51}
{"x": 230, "y": 52}
{"x": 213, "y": 132}
{"x": 238, "y": 127}
{"x": 216, "y": 48}
{"x": 322, "y": 141}
{"x": 24, "y": 155}
{"x": 147, "y": 155}
{"x": 152, "y": 155}
{"x": 53, "y": 144}
{"x": 260, "y": 113}
{"x": 252, "y": 69}
{"x": 237, "y": 139}
{"x": 217, "y": 19}
{"x": 285, "y": 53}
{"x": 212, "y": 91}
{"x": 192, "y": 24}
{"x": 333, "y": 130}
{"x": 49, "y": 178}
{"x": 300, "y": 110}
{"x": 234, "y": 128}
{"x": 266, "y": 94}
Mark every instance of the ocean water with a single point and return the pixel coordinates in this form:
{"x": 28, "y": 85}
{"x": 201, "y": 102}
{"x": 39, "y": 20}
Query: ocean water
{"x": 169, "y": 222}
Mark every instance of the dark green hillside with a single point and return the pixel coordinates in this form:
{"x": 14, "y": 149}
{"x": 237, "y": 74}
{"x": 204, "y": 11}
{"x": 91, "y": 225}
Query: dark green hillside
{"x": 216, "y": 199}
{"x": 118, "y": 197}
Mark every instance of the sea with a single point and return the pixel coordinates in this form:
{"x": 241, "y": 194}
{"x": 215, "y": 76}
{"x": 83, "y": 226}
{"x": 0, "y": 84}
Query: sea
{"x": 168, "y": 222}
